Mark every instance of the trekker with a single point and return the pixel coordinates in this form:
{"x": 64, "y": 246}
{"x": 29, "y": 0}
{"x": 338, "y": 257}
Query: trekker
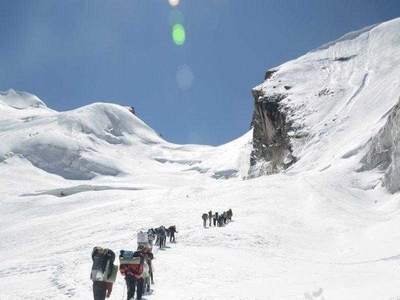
{"x": 221, "y": 220}
{"x": 157, "y": 235}
{"x": 209, "y": 218}
{"x": 149, "y": 258}
{"x": 102, "y": 268}
{"x": 215, "y": 217}
{"x": 230, "y": 214}
{"x": 151, "y": 236}
{"x": 146, "y": 278}
{"x": 161, "y": 235}
{"x": 172, "y": 231}
{"x": 225, "y": 215}
{"x": 133, "y": 271}
{"x": 204, "y": 217}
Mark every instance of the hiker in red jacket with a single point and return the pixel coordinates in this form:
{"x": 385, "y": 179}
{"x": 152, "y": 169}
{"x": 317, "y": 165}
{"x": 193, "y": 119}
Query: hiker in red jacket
{"x": 133, "y": 273}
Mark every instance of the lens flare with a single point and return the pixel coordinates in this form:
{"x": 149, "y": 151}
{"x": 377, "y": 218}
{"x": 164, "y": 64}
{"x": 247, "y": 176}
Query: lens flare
{"x": 178, "y": 34}
{"x": 184, "y": 77}
{"x": 173, "y": 2}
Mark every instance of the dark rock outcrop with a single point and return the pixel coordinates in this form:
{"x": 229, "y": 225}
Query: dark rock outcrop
{"x": 269, "y": 74}
{"x": 132, "y": 110}
{"x": 272, "y": 151}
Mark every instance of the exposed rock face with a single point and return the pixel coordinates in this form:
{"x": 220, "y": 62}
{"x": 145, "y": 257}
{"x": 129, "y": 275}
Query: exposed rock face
{"x": 131, "y": 109}
{"x": 272, "y": 151}
{"x": 384, "y": 151}
{"x": 332, "y": 111}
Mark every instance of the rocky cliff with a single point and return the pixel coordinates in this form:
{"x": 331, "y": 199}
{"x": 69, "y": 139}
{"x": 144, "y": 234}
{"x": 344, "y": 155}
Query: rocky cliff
{"x": 334, "y": 111}
{"x": 272, "y": 151}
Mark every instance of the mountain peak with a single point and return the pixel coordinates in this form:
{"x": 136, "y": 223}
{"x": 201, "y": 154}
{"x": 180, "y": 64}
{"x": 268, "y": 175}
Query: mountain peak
{"x": 20, "y": 100}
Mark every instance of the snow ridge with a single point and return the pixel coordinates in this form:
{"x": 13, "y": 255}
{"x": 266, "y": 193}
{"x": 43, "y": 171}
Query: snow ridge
{"x": 20, "y": 100}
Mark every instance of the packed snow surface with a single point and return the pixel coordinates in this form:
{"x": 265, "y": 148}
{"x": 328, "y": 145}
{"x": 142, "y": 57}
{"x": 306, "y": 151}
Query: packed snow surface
{"x": 97, "y": 175}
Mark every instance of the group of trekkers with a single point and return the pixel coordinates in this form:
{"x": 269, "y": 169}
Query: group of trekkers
{"x": 218, "y": 219}
{"x": 135, "y": 266}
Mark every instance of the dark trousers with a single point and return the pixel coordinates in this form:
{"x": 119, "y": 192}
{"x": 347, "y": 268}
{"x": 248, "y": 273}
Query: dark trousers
{"x": 172, "y": 237}
{"x": 151, "y": 273}
{"x": 205, "y": 222}
{"x": 131, "y": 282}
{"x": 99, "y": 290}
{"x": 161, "y": 241}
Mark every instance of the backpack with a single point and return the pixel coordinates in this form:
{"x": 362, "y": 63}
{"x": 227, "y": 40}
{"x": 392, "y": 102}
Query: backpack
{"x": 131, "y": 263}
{"x": 142, "y": 237}
{"x": 205, "y": 216}
{"x": 130, "y": 258}
{"x": 103, "y": 264}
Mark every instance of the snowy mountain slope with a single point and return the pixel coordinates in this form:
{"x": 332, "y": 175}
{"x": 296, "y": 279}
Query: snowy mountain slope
{"x": 95, "y": 176}
{"x": 288, "y": 237}
{"x": 333, "y": 99}
{"x": 101, "y": 139}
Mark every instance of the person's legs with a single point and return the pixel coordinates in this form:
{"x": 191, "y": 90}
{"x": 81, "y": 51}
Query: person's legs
{"x": 99, "y": 290}
{"x": 147, "y": 280}
{"x": 130, "y": 287}
{"x": 144, "y": 284}
{"x": 139, "y": 288}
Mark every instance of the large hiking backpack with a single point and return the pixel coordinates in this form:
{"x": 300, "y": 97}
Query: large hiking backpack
{"x": 142, "y": 237}
{"x": 103, "y": 264}
{"x": 204, "y": 217}
{"x": 131, "y": 263}
{"x": 130, "y": 258}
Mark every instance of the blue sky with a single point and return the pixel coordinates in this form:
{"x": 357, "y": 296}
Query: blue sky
{"x": 76, "y": 52}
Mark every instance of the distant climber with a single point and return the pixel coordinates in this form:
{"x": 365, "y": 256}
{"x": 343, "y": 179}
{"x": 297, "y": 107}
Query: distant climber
{"x": 151, "y": 236}
{"x": 215, "y": 219}
{"x": 225, "y": 216}
{"x": 161, "y": 235}
{"x": 172, "y": 231}
{"x": 209, "y": 218}
{"x": 204, "y": 217}
{"x": 230, "y": 214}
{"x": 220, "y": 220}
